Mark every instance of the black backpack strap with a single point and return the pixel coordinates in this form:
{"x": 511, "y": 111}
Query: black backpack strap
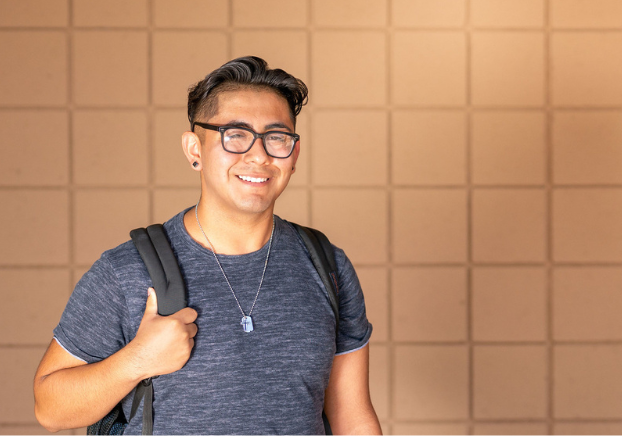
{"x": 323, "y": 257}
{"x": 157, "y": 254}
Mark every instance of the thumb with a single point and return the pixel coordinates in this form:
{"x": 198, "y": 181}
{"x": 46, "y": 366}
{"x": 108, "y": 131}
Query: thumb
{"x": 152, "y": 303}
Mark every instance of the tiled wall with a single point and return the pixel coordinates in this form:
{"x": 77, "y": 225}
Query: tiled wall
{"x": 467, "y": 154}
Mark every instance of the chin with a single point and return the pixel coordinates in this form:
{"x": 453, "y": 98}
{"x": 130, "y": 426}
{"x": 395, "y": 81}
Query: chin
{"x": 255, "y": 207}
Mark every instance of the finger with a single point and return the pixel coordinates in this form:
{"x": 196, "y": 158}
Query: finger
{"x": 187, "y": 315}
{"x": 152, "y": 302}
{"x": 192, "y": 330}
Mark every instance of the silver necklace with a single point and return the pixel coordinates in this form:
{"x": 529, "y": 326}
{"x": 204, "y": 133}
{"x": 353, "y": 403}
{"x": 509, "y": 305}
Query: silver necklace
{"x": 247, "y": 321}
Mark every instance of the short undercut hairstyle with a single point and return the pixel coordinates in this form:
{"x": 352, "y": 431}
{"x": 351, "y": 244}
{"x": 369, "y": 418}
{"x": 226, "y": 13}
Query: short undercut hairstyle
{"x": 249, "y": 72}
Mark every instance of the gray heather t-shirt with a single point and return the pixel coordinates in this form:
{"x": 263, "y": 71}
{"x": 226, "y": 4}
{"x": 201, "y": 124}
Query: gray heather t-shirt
{"x": 268, "y": 381}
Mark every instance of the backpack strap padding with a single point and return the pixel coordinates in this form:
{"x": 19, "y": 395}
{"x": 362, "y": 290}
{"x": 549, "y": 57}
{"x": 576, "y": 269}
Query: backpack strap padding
{"x": 322, "y": 255}
{"x": 158, "y": 256}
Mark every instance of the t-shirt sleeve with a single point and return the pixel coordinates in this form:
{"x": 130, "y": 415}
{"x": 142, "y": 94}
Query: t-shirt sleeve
{"x": 354, "y": 328}
{"x": 92, "y": 325}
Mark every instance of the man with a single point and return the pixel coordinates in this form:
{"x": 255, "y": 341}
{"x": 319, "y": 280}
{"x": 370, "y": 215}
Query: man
{"x": 255, "y": 351}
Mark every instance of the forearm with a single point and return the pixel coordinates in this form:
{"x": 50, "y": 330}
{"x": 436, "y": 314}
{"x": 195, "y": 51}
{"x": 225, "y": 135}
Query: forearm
{"x": 81, "y": 395}
{"x": 367, "y": 424}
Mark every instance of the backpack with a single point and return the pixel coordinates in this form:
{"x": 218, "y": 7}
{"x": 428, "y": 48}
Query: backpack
{"x": 157, "y": 254}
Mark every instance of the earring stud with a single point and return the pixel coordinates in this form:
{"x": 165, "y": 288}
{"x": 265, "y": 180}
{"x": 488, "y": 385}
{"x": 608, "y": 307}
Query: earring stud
{"x": 195, "y": 164}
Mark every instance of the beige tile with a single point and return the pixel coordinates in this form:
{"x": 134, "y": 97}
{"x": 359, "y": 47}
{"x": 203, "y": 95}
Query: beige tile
{"x": 270, "y": 13}
{"x": 349, "y": 13}
{"x": 293, "y": 205}
{"x": 106, "y": 76}
{"x": 33, "y": 13}
{"x": 509, "y": 148}
{"x": 428, "y": 68}
{"x": 508, "y": 13}
{"x": 428, "y": 148}
{"x": 582, "y": 14}
{"x": 34, "y": 304}
{"x": 509, "y": 225}
{"x": 374, "y": 281}
{"x": 169, "y": 202}
{"x": 587, "y": 303}
{"x": 587, "y": 428}
{"x": 509, "y": 304}
{"x": 358, "y": 56}
{"x": 429, "y": 429}
{"x": 110, "y": 147}
{"x": 284, "y": 49}
{"x": 428, "y": 13}
{"x": 379, "y": 369}
{"x": 35, "y": 52}
{"x": 508, "y": 428}
{"x": 103, "y": 219}
{"x": 429, "y": 225}
{"x": 499, "y": 370}
{"x": 587, "y": 382}
{"x": 35, "y": 148}
{"x": 586, "y": 147}
{"x": 170, "y": 167}
{"x": 17, "y": 369}
{"x": 354, "y": 220}
{"x": 180, "y": 61}
{"x": 429, "y": 304}
{"x": 508, "y": 69}
{"x": 349, "y": 148}
{"x": 430, "y": 382}
{"x": 112, "y": 13}
{"x": 34, "y": 226}
{"x": 586, "y": 225}
{"x": 586, "y": 68}
{"x": 209, "y": 14}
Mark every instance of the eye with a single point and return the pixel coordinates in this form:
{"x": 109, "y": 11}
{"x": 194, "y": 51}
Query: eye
{"x": 276, "y": 137}
{"x": 236, "y": 134}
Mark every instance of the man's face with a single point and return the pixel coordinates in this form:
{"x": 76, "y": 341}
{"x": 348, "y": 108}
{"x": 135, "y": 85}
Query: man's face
{"x": 249, "y": 182}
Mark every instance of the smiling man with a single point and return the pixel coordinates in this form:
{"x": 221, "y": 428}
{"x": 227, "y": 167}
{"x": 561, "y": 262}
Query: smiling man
{"x": 256, "y": 351}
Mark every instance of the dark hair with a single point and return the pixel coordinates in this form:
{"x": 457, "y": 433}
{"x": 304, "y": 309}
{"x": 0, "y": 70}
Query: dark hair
{"x": 240, "y": 73}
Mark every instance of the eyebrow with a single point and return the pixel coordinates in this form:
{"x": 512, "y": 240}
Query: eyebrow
{"x": 276, "y": 125}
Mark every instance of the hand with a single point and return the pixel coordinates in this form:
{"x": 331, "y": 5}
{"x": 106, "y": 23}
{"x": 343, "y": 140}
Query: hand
{"x": 163, "y": 343}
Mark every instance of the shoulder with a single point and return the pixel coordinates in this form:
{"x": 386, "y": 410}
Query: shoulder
{"x": 339, "y": 254}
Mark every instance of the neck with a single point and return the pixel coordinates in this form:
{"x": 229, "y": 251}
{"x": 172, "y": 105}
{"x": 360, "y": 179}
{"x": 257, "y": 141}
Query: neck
{"x": 229, "y": 234}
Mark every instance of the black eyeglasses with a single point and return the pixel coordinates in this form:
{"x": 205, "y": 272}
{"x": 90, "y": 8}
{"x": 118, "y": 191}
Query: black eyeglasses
{"x": 239, "y": 140}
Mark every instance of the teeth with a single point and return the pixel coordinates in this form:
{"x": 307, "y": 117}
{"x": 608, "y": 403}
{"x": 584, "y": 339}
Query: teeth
{"x": 252, "y": 179}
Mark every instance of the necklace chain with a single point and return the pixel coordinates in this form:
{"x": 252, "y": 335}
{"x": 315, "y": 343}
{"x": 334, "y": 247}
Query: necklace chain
{"x": 196, "y": 214}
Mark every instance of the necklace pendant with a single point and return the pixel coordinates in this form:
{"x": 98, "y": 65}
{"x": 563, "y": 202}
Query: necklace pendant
{"x": 247, "y": 323}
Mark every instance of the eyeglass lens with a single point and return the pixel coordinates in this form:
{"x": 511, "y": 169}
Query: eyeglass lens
{"x": 239, "y": 141}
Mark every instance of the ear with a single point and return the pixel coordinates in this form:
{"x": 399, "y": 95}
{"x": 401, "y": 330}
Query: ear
{"x": 191, "y": 145}
{"x": 295, "y": 155}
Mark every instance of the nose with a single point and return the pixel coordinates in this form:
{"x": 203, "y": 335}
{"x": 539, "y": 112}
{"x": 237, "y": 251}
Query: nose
{"x": 257, "y": 154}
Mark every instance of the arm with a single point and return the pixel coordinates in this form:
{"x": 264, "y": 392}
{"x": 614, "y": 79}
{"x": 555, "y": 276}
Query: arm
{"x": 347, "y": 403}
{"x": 70, "y": 393}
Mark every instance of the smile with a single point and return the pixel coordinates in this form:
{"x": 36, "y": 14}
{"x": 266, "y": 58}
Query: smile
{"x": 253, "y": 179}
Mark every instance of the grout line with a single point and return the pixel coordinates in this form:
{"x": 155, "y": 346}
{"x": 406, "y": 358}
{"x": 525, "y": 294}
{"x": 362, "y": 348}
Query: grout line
{"x": 70, "y": 188}
{"x": 150, "y": 112}
{"x": 309, "y": 115}
{"x": 390, "y": 297}
{"x": 469, "y": 217}
{"x": 549, "y": 221}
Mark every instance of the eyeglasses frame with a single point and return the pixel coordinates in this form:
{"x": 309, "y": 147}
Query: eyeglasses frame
{"x": 223, "y": 129}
